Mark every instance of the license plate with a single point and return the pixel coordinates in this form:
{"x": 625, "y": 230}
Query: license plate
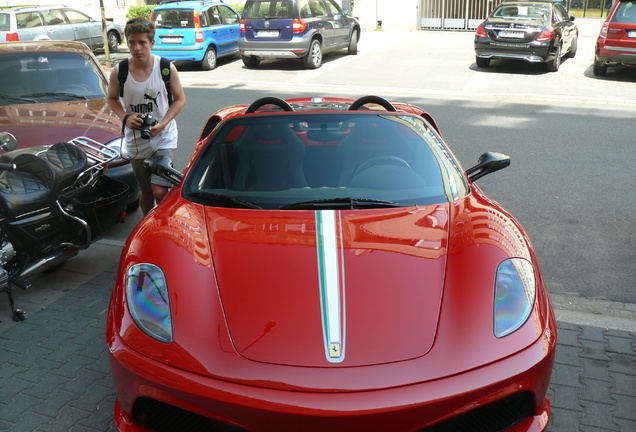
{"x": 171, "y": 40}
{"x": 268, "y": 33}
{"x": 512, "y": 34}
{"x": 631, "y": 33}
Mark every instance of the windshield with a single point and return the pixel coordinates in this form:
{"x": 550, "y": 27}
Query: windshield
{"x": 625, "y": 13}
{"x": 49, "y": 77}
{"x": 268, "y": 9}
{"x": 533, "y": 12}
{"x": 339, "y": 160}
{"x": 176, "y": 18}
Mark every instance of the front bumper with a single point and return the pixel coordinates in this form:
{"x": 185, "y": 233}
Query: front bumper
{"x": 414, "y": 407}
{"x": 297, "y": 47}
{"x": 191, "y": 53}
{"x": 534, "y": 52}
{"x": 614, "y": 55}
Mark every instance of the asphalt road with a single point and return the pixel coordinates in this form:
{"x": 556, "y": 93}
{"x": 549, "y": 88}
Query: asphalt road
{"x": 569, "y": 133}
{"x": 570, "y": 136}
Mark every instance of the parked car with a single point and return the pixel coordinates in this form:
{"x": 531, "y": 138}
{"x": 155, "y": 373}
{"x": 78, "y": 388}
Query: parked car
{"x": 297, "y": 29}
{"x": 616, "y": 44}
{"x": 326, "y": 264}
{"x": 54, "y": 91}
{"x": 538, "y": 31}
{"x": 200, "y": 31}
{"x": 25, "y": 23}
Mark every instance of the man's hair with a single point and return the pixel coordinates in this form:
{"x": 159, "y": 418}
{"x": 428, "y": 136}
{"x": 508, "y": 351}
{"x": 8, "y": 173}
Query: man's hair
{"x": 140, "y": 25}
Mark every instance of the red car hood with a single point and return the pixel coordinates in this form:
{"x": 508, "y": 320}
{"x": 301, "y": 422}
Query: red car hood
{"x": 52, "y": 122}
{"x": 313, "y": 288}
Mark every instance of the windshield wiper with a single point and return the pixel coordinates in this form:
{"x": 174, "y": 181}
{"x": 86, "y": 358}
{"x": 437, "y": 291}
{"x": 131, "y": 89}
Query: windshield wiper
{"x": 16, "y": 98}
{"x": 349, "y": 203}
{"x": 55, "y": 94}
{"x": 224, "y": 199}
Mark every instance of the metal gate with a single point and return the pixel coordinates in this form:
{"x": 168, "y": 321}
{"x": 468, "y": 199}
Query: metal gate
{"x": 468, "y": 14}
{"x": 455, "y": 14}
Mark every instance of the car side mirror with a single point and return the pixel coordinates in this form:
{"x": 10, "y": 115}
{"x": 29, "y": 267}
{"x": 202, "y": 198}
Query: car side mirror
{"x": 572, "y": 17}
{"x": 488, "y": 163}
{"x": 8, "y": 142}
{"x": 162, "y": 166}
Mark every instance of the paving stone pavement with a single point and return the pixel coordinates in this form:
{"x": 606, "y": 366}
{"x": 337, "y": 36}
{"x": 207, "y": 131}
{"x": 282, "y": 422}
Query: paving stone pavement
{"x": 54, "y": 372}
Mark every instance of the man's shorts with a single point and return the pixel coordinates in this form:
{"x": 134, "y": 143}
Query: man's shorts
{"x": 144, "y": 177}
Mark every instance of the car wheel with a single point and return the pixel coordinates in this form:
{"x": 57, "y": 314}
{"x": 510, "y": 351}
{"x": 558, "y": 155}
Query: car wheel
{"x": 313, "y": 59}
{"x": 553, "y": 66}
{"x": 353, "y": 44}
{"x": 482, "y": 62}
{"x": 113, "y": 41}
{"x": 250, "y": 61}
{"x": 599, "y": 69}
{"x": 573, "y": 48}
{"x": 209, "y": 59}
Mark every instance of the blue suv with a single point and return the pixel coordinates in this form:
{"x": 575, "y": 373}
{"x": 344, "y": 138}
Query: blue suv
{"x": 303, "y": 29}
{"x": 200, "y": 31}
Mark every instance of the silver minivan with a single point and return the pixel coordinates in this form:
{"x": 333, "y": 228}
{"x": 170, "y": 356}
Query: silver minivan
{"x": 25, "y": 23}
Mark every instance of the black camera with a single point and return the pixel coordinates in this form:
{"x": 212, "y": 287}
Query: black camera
{"x": 148, "y": 121}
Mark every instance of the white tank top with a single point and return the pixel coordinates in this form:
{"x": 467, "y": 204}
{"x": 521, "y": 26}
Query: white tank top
{"x": 147, "y": 97}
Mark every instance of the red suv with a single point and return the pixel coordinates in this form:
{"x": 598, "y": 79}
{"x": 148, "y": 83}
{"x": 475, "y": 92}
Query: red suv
{"x": 616, "y": 44}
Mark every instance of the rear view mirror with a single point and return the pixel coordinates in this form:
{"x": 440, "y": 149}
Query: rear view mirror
{"x": 488, "y": 163}
{"x": 8, "y": 141}
{"x": 162, "y": 166}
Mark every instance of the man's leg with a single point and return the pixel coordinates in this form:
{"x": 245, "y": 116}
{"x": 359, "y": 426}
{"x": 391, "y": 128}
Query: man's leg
{"x": 146, "y": 202}
{"x": 159, "y": 192}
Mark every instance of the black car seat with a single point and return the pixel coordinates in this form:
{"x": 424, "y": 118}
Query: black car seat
{"x": 269, "y": 157}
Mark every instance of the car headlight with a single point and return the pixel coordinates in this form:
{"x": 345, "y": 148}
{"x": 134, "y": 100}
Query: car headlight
{"x": 148, "y": 301}
{"x": 514, "y": 295}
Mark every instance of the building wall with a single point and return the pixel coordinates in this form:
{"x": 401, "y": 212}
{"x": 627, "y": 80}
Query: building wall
{"x": 393, "y": 15}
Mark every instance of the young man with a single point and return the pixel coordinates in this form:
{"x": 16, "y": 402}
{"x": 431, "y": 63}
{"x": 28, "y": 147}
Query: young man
{"x": 145, "y": 93}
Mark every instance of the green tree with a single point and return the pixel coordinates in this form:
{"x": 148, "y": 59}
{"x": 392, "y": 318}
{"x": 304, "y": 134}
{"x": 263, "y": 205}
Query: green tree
{"x": 139, "y": 11}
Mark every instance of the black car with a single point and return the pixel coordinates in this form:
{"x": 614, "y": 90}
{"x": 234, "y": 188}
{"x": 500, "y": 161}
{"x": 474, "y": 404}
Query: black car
{"x": 297, "y": 29}
{"x": 538, "y": 31}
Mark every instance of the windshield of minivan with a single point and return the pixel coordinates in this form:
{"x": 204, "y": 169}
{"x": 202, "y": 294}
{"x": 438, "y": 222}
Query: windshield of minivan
{"x": 268, "y": 10}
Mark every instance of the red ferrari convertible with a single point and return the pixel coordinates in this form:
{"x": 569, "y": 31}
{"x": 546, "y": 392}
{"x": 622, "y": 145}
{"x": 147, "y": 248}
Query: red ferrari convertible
{"x": 327, "y": 265}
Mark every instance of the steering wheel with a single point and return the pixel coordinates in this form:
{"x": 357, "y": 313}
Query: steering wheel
{"x": 372, "y": 99}
{"x": 381, "y": 160}
{"x": 268, "y": 100}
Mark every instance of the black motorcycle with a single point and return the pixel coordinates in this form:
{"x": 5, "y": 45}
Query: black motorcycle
{"x": 54, "y": 201}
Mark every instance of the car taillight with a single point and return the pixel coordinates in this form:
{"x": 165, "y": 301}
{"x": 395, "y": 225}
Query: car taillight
{"x": 242, "y": 26}
{"x": 298, "y": 26}
{"x": 603, "y": 33}
{"x": 13, "y": 37}
{"x": 197, "y": 27}
{"x": 546, "y": 35}
{"x": 481, "y": 32}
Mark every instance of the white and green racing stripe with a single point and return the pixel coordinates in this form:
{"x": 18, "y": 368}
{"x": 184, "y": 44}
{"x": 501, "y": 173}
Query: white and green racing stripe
{"x": 329, "y": 244}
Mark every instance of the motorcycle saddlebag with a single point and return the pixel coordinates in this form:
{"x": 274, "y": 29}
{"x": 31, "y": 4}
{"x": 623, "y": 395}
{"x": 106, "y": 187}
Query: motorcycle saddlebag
{"x": 101, "y": 205}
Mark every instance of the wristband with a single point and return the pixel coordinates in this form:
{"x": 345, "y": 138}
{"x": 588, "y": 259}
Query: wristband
{"x": 123, "y": 123}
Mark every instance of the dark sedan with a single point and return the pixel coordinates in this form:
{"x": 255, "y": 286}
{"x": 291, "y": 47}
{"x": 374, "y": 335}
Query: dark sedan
{"x": 537, "y": 32}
